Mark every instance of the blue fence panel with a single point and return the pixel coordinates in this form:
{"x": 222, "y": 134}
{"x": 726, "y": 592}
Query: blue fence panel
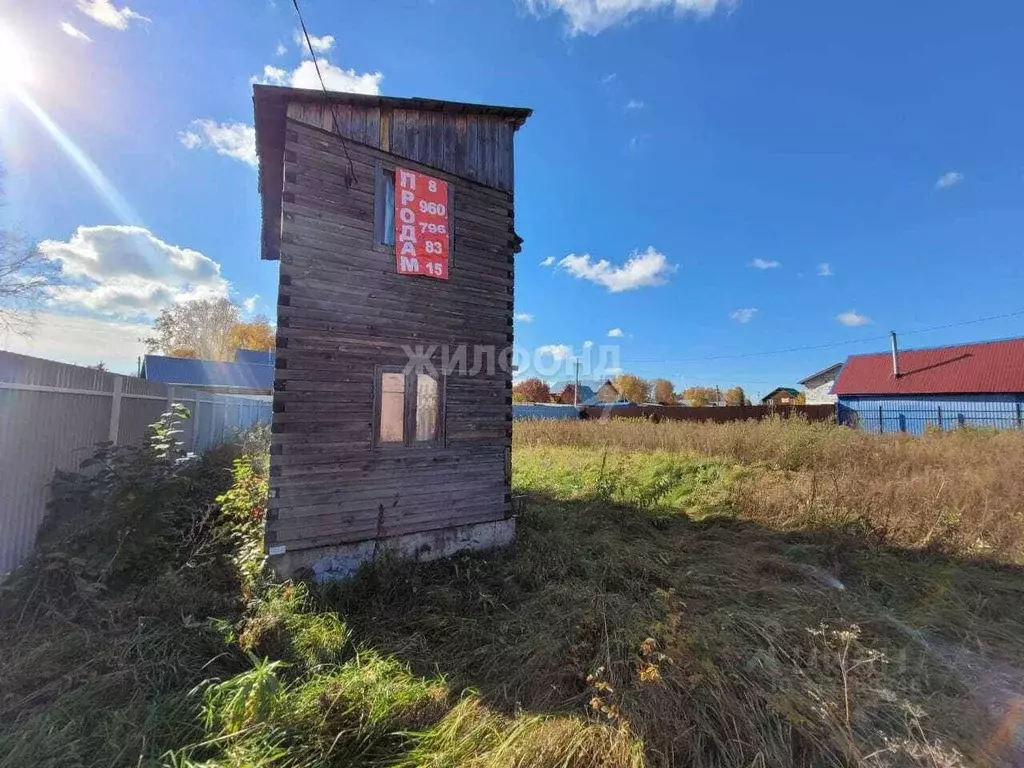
{"x": 525, "y": 411}
{"x": 218, "y": 418}
{"x": 915, "y": 415}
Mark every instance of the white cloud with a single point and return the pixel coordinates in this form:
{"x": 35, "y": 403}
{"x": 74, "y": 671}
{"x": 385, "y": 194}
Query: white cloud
{"x": 609, "y": 78}
{"x": 612, "y": 371}
{"x": 335, "y": 78}
{"x": 71, "y": 30}
{"x": 249, "y": 305}
{"x": 319, "y": 44}
{"x": 190, "y": 139}
{"x": 548, "y": 261}
{"x": 126, "y": 271}
{"x": 825, "y": 269}
{"x": 646, "y": 268}
{"x": 852, "y": 319}
{"x": 273, "y": 76}
{"x": 588, "y": 344}
{"x": 236, "y": 140}
{"x": 744, "y": 315}
{"x": 765, "y": 264}
{"x": 82, "y": 341}
{"x": 948, "y": 180}
{"x": 106, "y": 13}
{"x": 616, "y": 333}
{"x": 558, "y": 352}
{"x": 594, "y": 16}
{"x": 119, "y": 297}
{"x": 281, "y": 49}
{"x": 524, "y": 317}
{"x": 634, "y": 104}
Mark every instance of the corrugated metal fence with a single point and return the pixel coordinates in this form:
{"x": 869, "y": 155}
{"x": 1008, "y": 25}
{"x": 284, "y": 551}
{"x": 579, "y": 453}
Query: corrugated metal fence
{"x": 52, "y": 415}
{"x": 718, "y": 414}
{"x": 917, "y": 414}
{"x": 529, "y": 411}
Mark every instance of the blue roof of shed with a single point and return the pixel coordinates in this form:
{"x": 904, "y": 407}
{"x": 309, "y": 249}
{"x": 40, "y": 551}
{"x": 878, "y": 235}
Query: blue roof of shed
{"x": 207, "y": 373}
{"x": 258, "y": 356}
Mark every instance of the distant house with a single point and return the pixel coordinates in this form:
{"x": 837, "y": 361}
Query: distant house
{"x": 818, "y": 386}
{"x": 608, "y": 393}
{"x": 781, "y": 396}
{"x": 240, "y": 377}
{"x": 979, "y": 385}
{"x": 566, "y": 396}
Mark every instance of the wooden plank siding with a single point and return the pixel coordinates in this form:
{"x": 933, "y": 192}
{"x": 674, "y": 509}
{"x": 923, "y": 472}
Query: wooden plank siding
{"x": 476, "y": 147}
{"x": 343, "y": 310}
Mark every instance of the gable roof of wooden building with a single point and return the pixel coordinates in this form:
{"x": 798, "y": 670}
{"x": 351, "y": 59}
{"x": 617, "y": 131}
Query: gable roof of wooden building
{"x": 482, "y": 132}
{"x": 787, "y": 390}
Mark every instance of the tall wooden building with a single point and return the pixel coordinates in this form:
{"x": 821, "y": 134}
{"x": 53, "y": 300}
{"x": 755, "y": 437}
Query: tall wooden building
{"x": 393, "y": 223}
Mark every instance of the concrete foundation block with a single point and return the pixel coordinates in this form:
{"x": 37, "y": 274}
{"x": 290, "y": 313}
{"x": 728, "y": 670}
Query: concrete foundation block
{"x": 342, "y": 560}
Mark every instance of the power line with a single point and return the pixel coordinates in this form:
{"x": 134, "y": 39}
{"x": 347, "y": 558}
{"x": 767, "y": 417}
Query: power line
{"x": 828, "y": 345}
{"x": 965, "y": 322}
{"x": 334, "y": 115}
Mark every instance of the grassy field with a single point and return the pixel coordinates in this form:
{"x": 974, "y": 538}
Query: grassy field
{"x": 960, "y": 492}
{"x": 678, "y": 595}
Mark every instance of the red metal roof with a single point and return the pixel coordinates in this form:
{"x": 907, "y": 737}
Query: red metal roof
{"x": 986, "y": 367}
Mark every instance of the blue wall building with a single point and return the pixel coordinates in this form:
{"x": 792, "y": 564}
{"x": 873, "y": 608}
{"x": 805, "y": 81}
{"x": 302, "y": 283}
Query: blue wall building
{"x": 970, "y": 385}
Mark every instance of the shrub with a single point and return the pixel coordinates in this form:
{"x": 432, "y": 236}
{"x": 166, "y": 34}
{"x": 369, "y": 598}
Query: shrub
{"x": 114, "y": 522}
{"x": 244, "y": 512}
{"x": 105, "y": 628}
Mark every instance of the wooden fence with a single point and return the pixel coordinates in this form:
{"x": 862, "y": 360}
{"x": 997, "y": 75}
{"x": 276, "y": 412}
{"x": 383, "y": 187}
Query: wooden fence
{"x": 53, "y": 414}
{"x": 716, "y": 414}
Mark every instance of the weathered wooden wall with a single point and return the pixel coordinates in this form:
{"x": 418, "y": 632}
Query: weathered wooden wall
{"x": 343, "y": 309}
{"x": 477, "y": 147}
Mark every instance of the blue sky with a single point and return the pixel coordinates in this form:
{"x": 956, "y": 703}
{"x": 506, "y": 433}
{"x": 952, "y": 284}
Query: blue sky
{"x": 714, "y": 154}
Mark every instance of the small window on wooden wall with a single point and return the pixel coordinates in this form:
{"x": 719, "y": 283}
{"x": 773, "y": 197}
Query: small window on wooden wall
{"x": 384, "y": 208}
{"x": 392, "y": 408}
{"x": 408, "y": 408}
{"x": 428, "y": 407}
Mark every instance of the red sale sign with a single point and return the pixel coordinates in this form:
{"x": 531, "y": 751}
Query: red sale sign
{"x": 421, "y": 224}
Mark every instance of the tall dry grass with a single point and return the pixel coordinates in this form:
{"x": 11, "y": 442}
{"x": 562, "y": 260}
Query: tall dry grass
{"x": 960, "y": 492}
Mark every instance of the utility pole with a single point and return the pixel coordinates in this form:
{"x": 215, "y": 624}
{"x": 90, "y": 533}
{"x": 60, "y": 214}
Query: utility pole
{"x": 576, "y": 389}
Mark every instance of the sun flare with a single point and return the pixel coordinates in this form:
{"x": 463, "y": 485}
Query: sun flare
{"x": 15, "y": 64}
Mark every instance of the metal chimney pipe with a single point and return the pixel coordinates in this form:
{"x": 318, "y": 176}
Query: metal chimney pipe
{"x": 895, "y": 356}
